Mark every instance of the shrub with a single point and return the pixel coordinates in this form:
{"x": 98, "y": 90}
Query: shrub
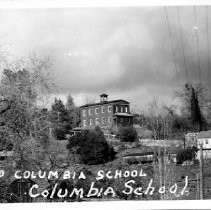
{"x": 127, "y": 134}
{"x": 185, "y": 155}
{"x": 91, "y": 147}
{"x": 60, "y": 131}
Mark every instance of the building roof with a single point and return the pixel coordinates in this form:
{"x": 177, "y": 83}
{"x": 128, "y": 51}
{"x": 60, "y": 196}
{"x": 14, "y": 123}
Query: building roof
{"x": 81, "y": 128}
{"x": 150, "y": 151}
{"x": 6, "y": 153}
{"x": 140, "y": 154}
{"x": 203, "y": 134}
{"x": 105, "y": 102}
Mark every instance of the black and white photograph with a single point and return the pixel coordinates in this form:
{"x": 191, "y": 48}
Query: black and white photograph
{"x": 105, "y": 103}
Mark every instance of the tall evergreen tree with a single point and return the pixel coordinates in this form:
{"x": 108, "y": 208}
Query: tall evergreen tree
{"x": 72, "y": 111}
{"x": 59, "y": 119}
{"x": 195, "y": 114}
{"x": 193, "y": 100}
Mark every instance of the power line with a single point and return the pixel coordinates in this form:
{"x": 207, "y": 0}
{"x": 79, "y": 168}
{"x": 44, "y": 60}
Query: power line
{"x": 172, "y": 48}
{"x": 208, "y": 44}
{"x": 197, "y": 44}
{"x": 181, "y": 40}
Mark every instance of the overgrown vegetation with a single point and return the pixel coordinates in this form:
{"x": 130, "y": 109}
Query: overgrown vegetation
{"x": 91, "y": 147}
{"x": 127, "y": 134}
{"x": 173, "y": 122}
{"x": 186, "y": 155}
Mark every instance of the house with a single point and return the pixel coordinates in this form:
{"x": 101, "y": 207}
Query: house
{"x": 106, "y": 113}
{"x": 200, "y": 138}
{"x": 141, "y": 157}
{"x": 204, "y": 138}
{"x": 161, "y": 143}
{"x": 168, "y": 155}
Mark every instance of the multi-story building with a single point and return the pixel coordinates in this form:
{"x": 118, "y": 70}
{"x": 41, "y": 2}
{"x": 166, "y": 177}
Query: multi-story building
{"x": 106, "y": 113}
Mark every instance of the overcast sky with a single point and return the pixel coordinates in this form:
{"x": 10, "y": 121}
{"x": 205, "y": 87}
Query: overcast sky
{"x": 124, "y": 52}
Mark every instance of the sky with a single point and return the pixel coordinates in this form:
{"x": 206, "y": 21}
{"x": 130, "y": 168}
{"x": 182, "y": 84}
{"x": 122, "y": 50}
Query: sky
{"x": 125, "y": 52}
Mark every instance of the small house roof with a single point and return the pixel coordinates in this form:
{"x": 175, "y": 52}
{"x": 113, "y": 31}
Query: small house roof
{"x": 203, "y": 134}
{"x": 5, "y": 153}
{"x": 80, "y": 128}
{"x": 140, "y": 154}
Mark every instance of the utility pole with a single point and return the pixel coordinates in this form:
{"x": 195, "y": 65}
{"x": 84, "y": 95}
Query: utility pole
{"x": 160, "y": 171}
{"x": 201, "y": 173}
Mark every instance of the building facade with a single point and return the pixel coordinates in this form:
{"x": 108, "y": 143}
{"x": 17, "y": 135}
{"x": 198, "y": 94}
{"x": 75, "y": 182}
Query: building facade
{"x": 204, "y": 139}
{"x": 106, "y": 113}
{"x": 198, "y": 139}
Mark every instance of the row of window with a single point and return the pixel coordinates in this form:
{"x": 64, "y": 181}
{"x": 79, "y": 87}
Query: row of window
{"x": 121, "y": 109}
{"x": 90, "y": 111}
{"x": 97, "y": 122}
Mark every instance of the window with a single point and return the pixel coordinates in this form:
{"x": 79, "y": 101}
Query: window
{"x": 90, "y": 111}
{"x": 103, "y": 120}
{"x": 109, "y": 108}
{"x": 126, "y": 109}
{"x": 96, "y": 111}
{"x": 122, "y": 109}
{"x": 96, "y": 121}
{"x": 90, "y": 122}
{"x": 109, "y": 119}
{"x": 116, "y": 108}
{"x": 103, "y": 109}
{"x": 84, "y": 122}
{"x": 84, "y": 112}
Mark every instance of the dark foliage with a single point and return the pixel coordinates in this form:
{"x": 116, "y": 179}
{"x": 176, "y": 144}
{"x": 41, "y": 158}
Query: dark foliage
{"x": 91, "y": 147}
{"x": 185, "y": 155}
{"x": 195, "y": 115}
{"x": 60, "y": 120}
{"x": 127, "y": 134}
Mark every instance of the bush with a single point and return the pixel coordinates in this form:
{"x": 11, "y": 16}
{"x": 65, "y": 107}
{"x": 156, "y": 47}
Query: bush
{"x": 185, "y": 155}
{"x": 60, "y": 131}
{"x": 127, "y": 134}
{"x": 91, "y": 147}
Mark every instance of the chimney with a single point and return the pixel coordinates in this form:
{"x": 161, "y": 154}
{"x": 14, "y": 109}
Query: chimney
{"x": 103, "y": 97}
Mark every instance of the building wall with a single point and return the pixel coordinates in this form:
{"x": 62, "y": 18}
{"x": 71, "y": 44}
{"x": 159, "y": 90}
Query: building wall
{"x": 190, "y": 140}
{"x": 206, "y": 144}
{"x": 161, "y": 143}
{"x": 105, "y": 114}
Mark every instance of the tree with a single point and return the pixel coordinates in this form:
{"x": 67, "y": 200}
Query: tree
{"x": 73, "y": 112}
{"x": 59, "y": 119}
{"x": 23, "y": 123}
{"x": 91, "y": 147}
{"x": 156, "y": 119}
{"x": 195, "y": 115}
{"x": 127, "y": 134}
{"x": 193, "y": 99}
{"x": 21, "y": 90}
{"x": 186, "y": 155}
